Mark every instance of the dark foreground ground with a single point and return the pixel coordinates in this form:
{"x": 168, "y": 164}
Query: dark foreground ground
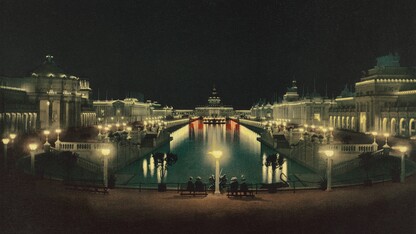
{"x": 41, "y": 206}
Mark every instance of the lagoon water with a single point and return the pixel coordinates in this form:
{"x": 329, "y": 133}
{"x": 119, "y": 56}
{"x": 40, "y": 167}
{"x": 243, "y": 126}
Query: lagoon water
{"x": 242, "y": 155}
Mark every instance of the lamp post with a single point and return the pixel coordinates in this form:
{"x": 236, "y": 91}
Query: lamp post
{"x": 331, "y": 137}
{"x": 5, "y": 142}
{"x": 32, "y": 147}
{"x": 217, "y": 155}
{"x": 12, "y": 136}
{"x": 124, "y": 126}
{"x": 325, "y": 140}
{"x": 128, "y": 133}
{"x": 105, "y": 152}
{"x": 402, "y": 150}
{"x": 117, "y": 126}
{"x": 374, "y": 136}
{"x": 329, "y": 154}
{"x": 386, "y": 145}
{"x": 46, "y": 146}
{"x": 58, "y": 141}
{"x": 301, "y": 130}
{"x": 313, "y": 127}
{"x": 100, "y": 135}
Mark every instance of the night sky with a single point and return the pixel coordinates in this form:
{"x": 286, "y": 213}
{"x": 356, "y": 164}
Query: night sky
{"x": 174, "y": 51}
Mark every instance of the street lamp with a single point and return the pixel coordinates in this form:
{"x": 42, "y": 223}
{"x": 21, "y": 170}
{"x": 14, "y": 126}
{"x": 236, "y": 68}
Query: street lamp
{"x": 32, "y": 147}
{"x": 5, "y": 142}
{"x": 374, "y": 136}
{"x": 124, "y": 126}
{"x": 386, "y": 135}
{"x": 105, "y": 152}
{"x": 403, "y": 150}
{"x": 313, "y": 127}
{"x": 58, "y": 141}
{"x": 128, "y": 133}
{"x": 46, "y": 146}
{"x": 217, "y": 155}
{"x": 329, "y": 154}
{"x": 301, "y": 130}
{"x": 100, "y": 127}
{"x": 117, "y": 126}
{"x": 331, "y": 137}
{"x": 12, "y": 137}
{"x": 324, "y": 130}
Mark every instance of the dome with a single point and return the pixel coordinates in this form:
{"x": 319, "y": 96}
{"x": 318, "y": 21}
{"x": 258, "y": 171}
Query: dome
{"x": 49, "y": 69}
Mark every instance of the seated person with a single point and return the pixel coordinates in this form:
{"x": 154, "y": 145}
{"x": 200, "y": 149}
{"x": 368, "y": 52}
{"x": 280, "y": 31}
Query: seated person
{"x": 190, "y": 186}
{"x": 243, "y": 186}
{"x": 199, "y": 186}
{"x": 234, "y": 185}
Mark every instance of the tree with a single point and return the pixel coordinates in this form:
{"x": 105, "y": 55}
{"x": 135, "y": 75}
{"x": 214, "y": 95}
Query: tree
{"x": 366, "y": 162}
{"x": 162, "y": 162}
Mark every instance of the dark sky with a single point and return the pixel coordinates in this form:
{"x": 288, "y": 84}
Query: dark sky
{"x": 173, "y": 51}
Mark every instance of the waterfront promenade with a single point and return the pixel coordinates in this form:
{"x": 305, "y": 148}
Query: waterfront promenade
{"x": 42, "y": 206}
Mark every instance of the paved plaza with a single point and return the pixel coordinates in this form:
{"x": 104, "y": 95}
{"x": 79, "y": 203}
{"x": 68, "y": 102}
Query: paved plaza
{"x": 43, "y": 206}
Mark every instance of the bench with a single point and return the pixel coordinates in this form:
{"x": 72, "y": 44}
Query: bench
{"x": 86, "y": 186}
{"x": 240, "y": 193}
{"x": 195, "y": 192}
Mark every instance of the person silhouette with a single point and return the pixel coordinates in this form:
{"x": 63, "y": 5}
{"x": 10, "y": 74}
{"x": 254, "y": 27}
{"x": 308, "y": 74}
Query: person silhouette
{"x": 243, "y": 186}
{"x": 190, "y": 186}
{"x": 199, "y": 186}
{"x": 234, "y": 186}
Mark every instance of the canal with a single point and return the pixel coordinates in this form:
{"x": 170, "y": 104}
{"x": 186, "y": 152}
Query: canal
{"x": 242, "y": 155}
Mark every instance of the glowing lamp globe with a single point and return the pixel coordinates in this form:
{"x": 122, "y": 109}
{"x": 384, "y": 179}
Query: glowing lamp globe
{"x": 329, "y": 153}
{"x": 33, "y": 146}
{"x": 105, "y": 151}
{"x": 217, "y": 154}
{"x": 5, "y": 141}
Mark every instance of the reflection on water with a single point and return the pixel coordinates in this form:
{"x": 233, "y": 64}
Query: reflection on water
{"x": 242, "y": 155}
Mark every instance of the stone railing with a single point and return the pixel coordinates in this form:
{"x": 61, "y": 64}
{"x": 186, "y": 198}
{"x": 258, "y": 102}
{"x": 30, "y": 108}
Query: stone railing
{"x": 252, "y": 123}
{"x": 174, "y": 123}
{"x": 82, "y": 146}
{"x": 352, "y": 148}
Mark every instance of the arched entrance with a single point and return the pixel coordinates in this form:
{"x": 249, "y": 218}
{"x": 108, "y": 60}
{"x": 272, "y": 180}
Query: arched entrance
{"x": 412, "y": 127}
{"x": 393, "y": 127}
{"x": 402, "y": 127}
{"x": 353, "y": 123}
{"x": 384, "y": 125}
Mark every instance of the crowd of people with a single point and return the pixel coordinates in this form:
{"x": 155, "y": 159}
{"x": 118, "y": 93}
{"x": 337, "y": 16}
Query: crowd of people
{"x": 199, "y": 186}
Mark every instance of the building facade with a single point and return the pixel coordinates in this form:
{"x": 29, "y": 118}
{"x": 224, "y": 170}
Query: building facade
{"x": 128, "y": 110}
{"x": 48, "y": 98}
{"x": 214, "y": 108}
{"x": 384, "y": 101}
{"x": 310, "y": 109}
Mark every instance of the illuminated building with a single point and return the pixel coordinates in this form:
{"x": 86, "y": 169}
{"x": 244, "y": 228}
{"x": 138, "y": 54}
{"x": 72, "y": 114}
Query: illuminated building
{"x": 128, "y": 110}
{"x": 214, "y": 108}
{"x": 47, "y": 98}
{"x": 384, "y": 101}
